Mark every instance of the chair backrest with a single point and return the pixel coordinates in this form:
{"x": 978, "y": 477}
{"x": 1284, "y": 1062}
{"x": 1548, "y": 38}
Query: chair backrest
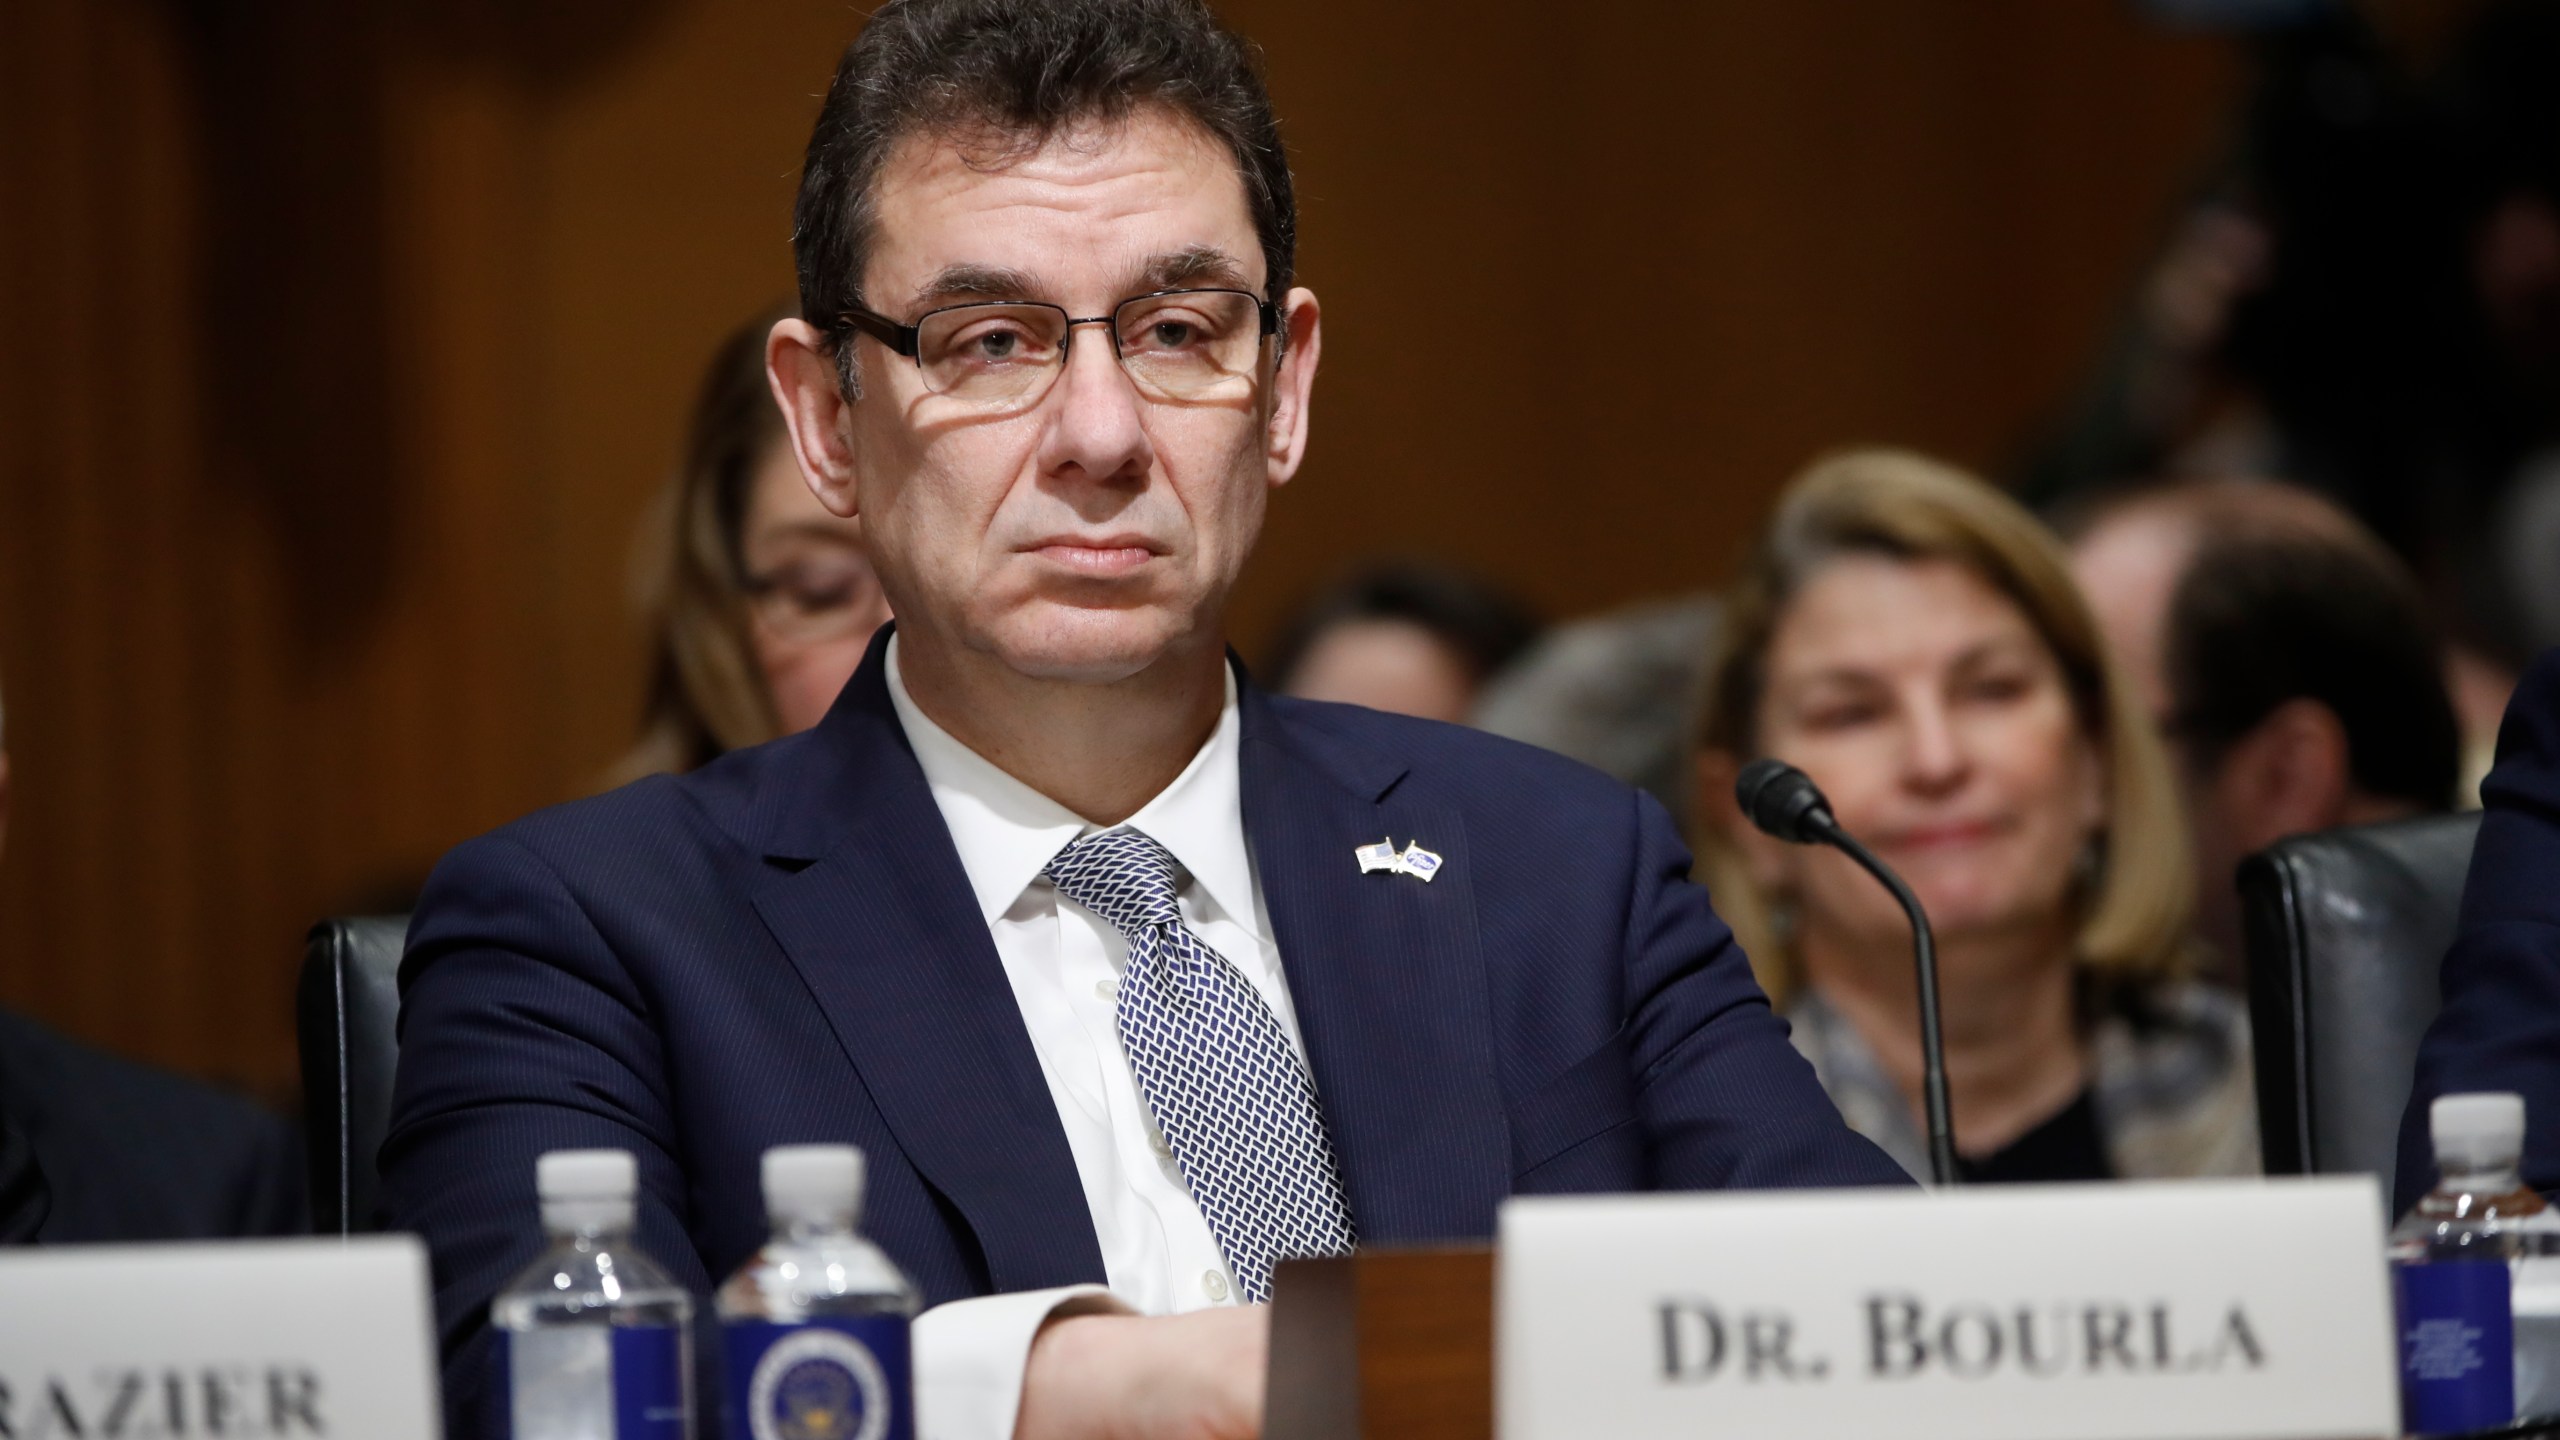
{"x": 2346, "y": 930}
{"x": 346, "y": 1018}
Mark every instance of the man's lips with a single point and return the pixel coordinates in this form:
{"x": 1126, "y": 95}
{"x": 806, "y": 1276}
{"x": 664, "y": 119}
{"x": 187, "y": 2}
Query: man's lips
{"x": 1107, "y": 556}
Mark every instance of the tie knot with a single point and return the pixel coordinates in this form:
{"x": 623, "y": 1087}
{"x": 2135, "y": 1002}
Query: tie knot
{"x": 1124, "y": 876}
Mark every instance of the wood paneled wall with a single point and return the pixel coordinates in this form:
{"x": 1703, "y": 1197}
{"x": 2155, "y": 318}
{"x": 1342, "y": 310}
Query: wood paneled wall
{"x": 342, "y": 343}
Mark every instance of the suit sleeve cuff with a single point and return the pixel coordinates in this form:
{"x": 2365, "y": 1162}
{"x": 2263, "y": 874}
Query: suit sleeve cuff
{"x": 969, "y": 1357}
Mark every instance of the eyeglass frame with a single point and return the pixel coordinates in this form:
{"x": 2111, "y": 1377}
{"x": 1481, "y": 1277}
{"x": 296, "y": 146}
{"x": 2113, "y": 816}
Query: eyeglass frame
{"x": 905, "y": 340}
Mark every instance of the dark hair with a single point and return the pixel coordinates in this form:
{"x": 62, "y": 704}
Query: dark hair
{"x": 1485, "y": 624}
{"x": 1017, "y": 72}
{"x": 2263, "y": 616}
{"x": 706, "y": 695}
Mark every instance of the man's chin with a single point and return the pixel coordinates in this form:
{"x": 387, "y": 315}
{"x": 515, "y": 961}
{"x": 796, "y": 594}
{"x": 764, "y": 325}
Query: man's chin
{"x": 1089, "y": 647}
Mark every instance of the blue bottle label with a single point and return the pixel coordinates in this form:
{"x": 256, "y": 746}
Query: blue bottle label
{"x": 649, "y": 1399}
{"x": 2457, "y": 1346}
{"x": 835, "y": 1378}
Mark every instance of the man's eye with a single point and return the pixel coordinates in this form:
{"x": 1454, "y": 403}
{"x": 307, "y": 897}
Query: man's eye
{"x": 1168, "y": 330}
{"x": 992, "y": 342}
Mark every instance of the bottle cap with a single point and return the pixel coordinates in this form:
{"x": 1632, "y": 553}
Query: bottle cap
{"x": 586, "y": 1175}
{"x": 586, "y": 1189}
{"x": 2477, "y": 1132}
{"x": 813, "y": 1183}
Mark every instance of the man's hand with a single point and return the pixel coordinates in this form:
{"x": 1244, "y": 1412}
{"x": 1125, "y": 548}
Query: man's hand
{"x": 1131, "y": 1377}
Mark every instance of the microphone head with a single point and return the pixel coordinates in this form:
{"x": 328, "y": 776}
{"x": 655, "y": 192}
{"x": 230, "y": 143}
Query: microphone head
{"x": 1783, "y": 801}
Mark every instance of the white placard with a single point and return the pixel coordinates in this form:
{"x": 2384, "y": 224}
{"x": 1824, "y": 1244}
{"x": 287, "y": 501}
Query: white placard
{"x": 2050, "y": 1312}
{"x": 272, "y": 1339}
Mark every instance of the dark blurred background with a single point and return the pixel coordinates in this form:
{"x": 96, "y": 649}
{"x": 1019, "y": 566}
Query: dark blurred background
{"x": 343, "y": 342}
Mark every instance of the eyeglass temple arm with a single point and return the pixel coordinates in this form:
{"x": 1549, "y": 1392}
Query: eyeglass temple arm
{"x": 901, "y": 338}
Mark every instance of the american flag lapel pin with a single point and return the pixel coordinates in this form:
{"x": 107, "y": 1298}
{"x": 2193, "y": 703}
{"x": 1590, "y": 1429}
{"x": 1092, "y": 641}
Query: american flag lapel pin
{"x": 1381, "y": 856}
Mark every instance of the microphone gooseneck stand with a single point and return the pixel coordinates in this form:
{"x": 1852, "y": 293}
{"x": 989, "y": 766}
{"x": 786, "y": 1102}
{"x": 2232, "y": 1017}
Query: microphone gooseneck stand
{"x": 1782, "y": 801}
{"x": 1924, "y": 956}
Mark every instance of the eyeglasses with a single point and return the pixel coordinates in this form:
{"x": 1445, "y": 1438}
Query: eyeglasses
{"x": 1178, "y": 345}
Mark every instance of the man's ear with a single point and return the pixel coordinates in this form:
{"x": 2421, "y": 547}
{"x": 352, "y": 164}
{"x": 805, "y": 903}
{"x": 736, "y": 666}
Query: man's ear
{"x": 1293, "y": 383}
{"x": 801, "y": 368}
{"x": 2289, "y": 775}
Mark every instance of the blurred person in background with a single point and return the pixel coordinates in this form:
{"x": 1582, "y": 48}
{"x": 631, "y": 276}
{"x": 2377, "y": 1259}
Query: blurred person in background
{"x": 760, "y": 602}
{"x": 1403, "y": 637}
{"x": 2290, "y": 661}
{"x": 1912, "y": 639}
{"x": 2365, "y": 300}
{"x": 1616, "y": 691}
{"x": 95, "y": 1148}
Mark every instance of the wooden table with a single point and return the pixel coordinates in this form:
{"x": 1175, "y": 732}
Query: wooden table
{"x": 1386, "y": 1344}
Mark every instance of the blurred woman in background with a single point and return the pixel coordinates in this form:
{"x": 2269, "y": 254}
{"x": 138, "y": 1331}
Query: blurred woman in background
{"x": 1406, "y": 637}
{"x": 759, "y": 601}
{"x": 1912, "y": 639}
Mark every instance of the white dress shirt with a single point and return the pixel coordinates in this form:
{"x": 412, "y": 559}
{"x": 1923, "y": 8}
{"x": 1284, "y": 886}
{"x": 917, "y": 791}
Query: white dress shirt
{"x": 1064, "y": 964}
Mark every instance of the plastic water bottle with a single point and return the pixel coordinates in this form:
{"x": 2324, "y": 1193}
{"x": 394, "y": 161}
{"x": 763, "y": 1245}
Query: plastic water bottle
{"x": 2454, "y": 1264}
{"x": 595, "y": 1337}
{"x": 2536, "y": 1307}
{"x": 815, "y": 1323}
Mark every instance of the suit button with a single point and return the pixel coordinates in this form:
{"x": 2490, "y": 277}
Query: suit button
{"x": 1214, "y": 1285}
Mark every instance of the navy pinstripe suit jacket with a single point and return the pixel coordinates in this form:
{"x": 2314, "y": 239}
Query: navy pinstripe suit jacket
{"x": 782, "y": 947}
{"x": 2500, "y": 1025}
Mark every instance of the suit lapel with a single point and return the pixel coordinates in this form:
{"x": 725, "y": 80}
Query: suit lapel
{"x": 1387, "y": 975}
{"x": 869, "y": 900}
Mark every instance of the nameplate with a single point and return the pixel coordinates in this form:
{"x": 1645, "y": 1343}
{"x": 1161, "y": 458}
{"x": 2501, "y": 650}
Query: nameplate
{"x": 2227, "y": 1309}
{"x": 263, "y": 1340}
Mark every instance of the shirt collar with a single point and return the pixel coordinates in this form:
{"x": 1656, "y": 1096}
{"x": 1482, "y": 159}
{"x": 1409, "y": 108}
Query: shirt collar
{"x": 1007, "y": 832}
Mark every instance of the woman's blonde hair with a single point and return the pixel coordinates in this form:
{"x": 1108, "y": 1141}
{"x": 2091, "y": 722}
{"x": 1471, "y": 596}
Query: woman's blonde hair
{"x": 2135, "y": 911}
{"x": 706, "y": 694}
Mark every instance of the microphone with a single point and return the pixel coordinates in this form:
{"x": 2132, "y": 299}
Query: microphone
{"x": 1783, "y": 801}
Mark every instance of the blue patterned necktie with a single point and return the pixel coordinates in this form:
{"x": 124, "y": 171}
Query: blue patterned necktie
{"x": 1217, "y": 1070}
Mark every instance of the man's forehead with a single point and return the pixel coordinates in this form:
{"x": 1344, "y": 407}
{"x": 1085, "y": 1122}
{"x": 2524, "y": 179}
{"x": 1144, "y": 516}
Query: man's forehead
{"x": 1148, "y": 200}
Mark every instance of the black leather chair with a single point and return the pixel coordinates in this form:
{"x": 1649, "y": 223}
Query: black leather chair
{"x": 346, "y": 1014}
{"x": 2346, "y": 930}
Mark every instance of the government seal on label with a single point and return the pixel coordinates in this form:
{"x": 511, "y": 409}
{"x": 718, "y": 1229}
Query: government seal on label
{"x": 818, "y": 1384}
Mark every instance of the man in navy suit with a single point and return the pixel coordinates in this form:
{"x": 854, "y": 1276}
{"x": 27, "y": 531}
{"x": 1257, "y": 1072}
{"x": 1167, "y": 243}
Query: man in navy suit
{"x": 1129, "y": 979}
{"x": 2500, "y": 1025}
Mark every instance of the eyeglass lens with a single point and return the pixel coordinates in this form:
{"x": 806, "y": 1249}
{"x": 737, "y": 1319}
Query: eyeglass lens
{"x": 1186, "y": 345}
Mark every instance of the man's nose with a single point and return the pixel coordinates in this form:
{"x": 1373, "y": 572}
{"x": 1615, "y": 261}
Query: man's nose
{"x": 1097, "y": 428}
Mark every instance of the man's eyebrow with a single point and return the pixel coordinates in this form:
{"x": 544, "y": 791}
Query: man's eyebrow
{"x": 1192, "y": 267}
{"x": 961, "y": 284}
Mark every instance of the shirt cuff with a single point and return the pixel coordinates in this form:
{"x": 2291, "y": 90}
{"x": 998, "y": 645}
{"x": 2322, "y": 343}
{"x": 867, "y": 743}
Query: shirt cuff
{"x": 969, "y": 1357}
